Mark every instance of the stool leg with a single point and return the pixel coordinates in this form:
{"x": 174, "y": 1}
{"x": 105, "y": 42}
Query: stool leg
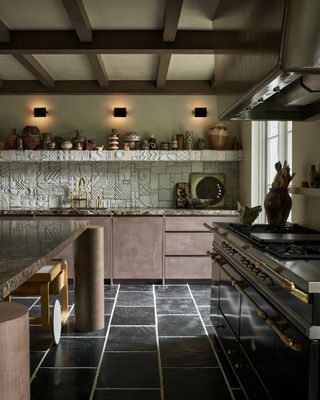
{"x": 45, "y": 305}
{"x": 64, "y": 292}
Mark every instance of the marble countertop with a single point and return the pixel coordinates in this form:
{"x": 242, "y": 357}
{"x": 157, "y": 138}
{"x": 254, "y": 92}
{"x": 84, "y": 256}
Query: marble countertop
{"x": 119, "y": 211}
{"x": 27, "y": 245}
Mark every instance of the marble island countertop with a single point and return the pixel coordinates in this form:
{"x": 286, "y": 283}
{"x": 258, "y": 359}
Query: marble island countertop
{"x": 119, "y": 211}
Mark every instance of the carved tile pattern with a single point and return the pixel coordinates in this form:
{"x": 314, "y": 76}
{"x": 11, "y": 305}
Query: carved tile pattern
{"x": 43, "y": 185}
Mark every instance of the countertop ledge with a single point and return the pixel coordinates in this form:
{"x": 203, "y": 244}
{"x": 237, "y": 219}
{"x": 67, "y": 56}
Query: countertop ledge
{"x": 119, "y": 211}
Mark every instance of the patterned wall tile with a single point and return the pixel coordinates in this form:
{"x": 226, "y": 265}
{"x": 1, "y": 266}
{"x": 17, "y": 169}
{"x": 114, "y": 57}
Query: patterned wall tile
{"x": 129, "y": 184}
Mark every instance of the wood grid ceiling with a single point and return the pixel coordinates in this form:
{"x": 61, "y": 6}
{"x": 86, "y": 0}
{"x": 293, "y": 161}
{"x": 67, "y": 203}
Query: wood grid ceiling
{"x": 114, "y": 46}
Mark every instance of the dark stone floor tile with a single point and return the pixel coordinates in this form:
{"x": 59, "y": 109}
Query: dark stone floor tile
{"x": 133, "y": 316}
{"x": 70, "y": 298}
{"x": 62, "y": 384}
{"x": 27, "y": 301}
{"x": 129, "y": 370}
{"x": 110, "y": 291}
{"x": 40, "y": 338}
{"x": 143, "y": 287}
{"x": 239, "y": 395}
{"x": 133, "y": 338}
{"x": 141, "y": 394}
{"x": 175, "y": 306}
{"x": 202, "y": 287}
{"x": 190, "y": 384}
{"x": 180, "y": 325}
{"x": 172, "y": 291}
{"x": 35, "y": 358}
{"x": 35, "y": 311}
{"x": 187, "y": 352}
{"x": 144, "y": 299}
{"x": 69, "y": 329}
{"x": 205, "y": 314}
{"x": 108, "y": 305}
{"x": 202, "y": 298}
{"x": 80, "y": 352}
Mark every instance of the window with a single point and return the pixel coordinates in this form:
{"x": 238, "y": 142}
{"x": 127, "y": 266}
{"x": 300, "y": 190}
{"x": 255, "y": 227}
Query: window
{"x": 271, "y": 142}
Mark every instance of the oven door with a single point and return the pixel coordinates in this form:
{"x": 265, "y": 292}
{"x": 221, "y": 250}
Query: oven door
{"x": 278, "y": 352}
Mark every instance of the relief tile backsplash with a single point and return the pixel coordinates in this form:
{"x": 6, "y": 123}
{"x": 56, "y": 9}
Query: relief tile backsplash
{"x": 131, "y": 184}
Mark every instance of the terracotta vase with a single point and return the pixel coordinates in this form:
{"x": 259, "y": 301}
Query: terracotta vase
{"x": 277, "y": 205}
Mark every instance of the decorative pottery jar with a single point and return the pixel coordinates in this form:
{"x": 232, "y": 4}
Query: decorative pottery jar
{"x": 66, "y": 145}
{"x": 277, "y": 204}
{"x": 133, "y": 139}
{"x": 31, "y": 137}
{"x": 12, "y": 139}
{"x": 218, "y": 136}
{"x": 189, "y": 140}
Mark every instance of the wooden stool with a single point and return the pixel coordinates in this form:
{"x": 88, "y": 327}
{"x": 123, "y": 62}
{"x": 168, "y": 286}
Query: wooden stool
{"x": 50, "y": 279}
{"x": 14, "y": 352}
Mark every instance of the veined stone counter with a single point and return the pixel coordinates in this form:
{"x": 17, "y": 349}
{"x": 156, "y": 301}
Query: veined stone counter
{"x": 119, "y": 211}
{"x": 119, "y": 155}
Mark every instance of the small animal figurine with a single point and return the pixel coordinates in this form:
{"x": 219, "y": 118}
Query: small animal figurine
{"x": 248, "y": 214}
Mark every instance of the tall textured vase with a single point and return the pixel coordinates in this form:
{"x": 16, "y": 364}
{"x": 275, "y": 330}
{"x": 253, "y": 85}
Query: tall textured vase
{"x": 277, "y": 205}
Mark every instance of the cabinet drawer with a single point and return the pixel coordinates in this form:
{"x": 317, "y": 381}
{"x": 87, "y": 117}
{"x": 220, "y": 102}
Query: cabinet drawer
{"x": 188, "y": 268}
{"x": 188, "y": 243}
{"x": 194, "y": 224}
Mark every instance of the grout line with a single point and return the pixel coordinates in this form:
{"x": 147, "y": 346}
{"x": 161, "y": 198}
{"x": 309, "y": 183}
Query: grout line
{"x": 158, "y": 345}
{"x": 212, "y": 347}
{"x": 39, "y": 365}
{"x": 172, "y": 297}
{"x": 103, "y": 348}
{"x": 178, "y": 337}
{"x": 135, "y": 291}
{"x": 135, "y": 306}
{"x": 33, "y": 304}
{"x": 210, "y": 367}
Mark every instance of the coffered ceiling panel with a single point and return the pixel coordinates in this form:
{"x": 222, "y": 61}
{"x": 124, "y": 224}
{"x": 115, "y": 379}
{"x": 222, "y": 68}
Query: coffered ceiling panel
{"x": 34, "y": 14}
{"x": 197, "y": 14}
{"x": 10, "y": 68}
{"x": 125, "y": 14}
{"x": 67, "y": 66}
{"x": 191, "y": 67}
{"x": 131, "y": 66}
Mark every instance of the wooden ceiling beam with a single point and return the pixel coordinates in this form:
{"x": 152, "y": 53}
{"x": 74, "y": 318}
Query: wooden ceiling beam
{"x": 163, "y": 67}
{"x": 1, "y": 83}
{"x": 115, "y": 87}
{"x": 36, "y": 69}
{"x": 171, "y": 19}
{"x": 136, "y": 42}
{"x": 99, "y": 70}
{"x": 4, "y": 33}
{"x": 79, "y": 19}
{"x": 213, "y": 80}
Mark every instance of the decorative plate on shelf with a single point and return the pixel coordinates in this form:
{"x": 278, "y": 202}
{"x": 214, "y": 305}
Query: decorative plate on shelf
{"x": 208, "y": 189}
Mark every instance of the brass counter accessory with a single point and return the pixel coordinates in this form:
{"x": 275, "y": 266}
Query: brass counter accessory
{"x": 81, "y": 196}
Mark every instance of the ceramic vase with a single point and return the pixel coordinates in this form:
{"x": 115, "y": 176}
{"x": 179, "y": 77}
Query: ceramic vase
{"x": 277, "y": 204}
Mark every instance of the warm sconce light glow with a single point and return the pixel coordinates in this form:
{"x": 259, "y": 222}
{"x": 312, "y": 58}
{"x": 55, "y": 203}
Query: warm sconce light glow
{"x": 40, "y": 112}
{"x": 200, "y": 112}
{"x": 120, "y": 112}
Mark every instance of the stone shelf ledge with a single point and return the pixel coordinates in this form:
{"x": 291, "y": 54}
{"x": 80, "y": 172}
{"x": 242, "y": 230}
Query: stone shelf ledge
{"x": 305, "y": 191}
{"x": 119, "y": 155}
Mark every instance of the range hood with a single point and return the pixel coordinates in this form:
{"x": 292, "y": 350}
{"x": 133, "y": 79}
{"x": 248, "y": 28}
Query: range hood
{"x": 280, "y": 78}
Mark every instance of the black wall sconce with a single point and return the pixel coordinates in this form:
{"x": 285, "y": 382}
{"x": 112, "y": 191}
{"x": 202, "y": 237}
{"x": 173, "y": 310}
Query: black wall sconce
{"x": 200, "y": 112}
{"x": 120, "y": 112}
{"x": 40, "y": 112}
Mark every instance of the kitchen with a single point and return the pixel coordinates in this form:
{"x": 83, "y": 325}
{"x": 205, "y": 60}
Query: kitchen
{"x": 32, "y": 185}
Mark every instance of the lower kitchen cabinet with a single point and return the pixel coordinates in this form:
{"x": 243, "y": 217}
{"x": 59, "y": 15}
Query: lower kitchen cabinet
{"x": 137, "y": 247}
{"x": 187, "y": 241}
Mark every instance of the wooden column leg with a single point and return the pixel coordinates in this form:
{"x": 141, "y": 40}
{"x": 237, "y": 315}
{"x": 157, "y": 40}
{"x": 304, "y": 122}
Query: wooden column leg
{"x": 45, "y": 305}
{"x": 14, "y": 352}
{"x": 64, "y": 292}
{"x": 89, "y": 280}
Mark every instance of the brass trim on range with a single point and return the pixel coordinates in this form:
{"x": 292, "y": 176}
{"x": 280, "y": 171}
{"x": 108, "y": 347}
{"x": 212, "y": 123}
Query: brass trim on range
{"x": 256, "y": 267}
{"x": 286, "y": 340}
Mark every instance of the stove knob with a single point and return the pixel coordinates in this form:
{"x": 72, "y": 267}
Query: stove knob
{"x": 232, "y": 251}
{"x": 256, "y": 270}
{"x": 251, "y": 267}
{"x": 262, "y": 275}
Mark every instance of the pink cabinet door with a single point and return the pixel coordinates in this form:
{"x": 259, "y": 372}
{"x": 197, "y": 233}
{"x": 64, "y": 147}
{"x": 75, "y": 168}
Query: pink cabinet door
{"x": 188, "y": 243}
{"x": 188, "y": 268}
{"x": 137, "y": 247}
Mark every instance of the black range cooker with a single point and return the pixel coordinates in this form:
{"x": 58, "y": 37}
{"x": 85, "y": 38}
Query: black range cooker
{"x": 266, "y": 307}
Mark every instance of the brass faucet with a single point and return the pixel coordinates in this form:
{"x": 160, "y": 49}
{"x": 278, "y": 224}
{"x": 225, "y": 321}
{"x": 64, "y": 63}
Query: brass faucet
{"x": 82, "y": 195}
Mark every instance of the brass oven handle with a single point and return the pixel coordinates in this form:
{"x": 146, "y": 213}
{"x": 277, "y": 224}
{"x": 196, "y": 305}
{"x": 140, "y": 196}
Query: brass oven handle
{"x": 208, "y": 227}
{"x": 217, "y": 258}
{"x": 290, "y": 287}
{"x": 288, "y": 342}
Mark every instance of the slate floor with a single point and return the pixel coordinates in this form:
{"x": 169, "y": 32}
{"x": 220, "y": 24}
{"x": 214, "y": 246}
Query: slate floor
{"x": 158, "y": 344}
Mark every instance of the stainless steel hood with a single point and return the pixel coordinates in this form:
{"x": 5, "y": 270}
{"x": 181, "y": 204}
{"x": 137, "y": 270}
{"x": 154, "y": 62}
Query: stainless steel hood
{"x": 280, "y": 77}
